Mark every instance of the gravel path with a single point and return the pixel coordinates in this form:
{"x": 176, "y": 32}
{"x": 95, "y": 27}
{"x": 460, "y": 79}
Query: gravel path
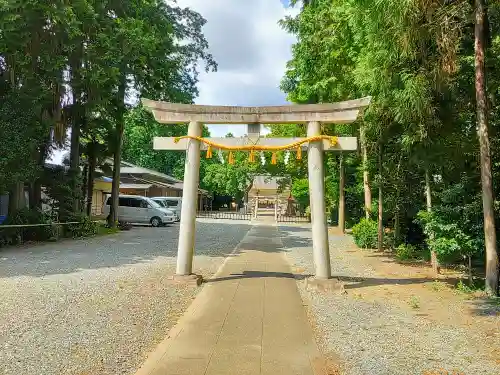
{"x": 98, "y": 306}
{"x": 381, "y": 338}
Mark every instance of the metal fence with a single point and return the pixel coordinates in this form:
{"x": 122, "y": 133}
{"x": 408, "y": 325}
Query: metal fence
{"x": 297, "y": 218}
{"x": 293, "y": 213}
{"x": 228, "y": 215}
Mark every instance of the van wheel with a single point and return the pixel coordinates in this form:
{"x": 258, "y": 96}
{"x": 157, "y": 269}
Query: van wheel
{"x": 156, "y": 221}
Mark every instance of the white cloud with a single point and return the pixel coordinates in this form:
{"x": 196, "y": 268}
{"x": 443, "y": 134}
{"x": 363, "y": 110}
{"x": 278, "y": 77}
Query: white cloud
{"x": 251, "y": 50}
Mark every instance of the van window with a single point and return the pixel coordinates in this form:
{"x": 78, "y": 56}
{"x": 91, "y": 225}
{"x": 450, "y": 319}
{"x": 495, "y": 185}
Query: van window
{"x": 171, "y": 203}
{"x": 153, "y": 204}
{"x": 124, "y": 202}
{"x": 160, "y": 202}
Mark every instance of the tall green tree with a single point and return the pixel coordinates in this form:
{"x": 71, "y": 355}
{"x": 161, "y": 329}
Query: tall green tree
{"x": 417, "y": 61}
{"x": 481, "y": 31}
{"x": 140, "y": 130}
{"x": 157, "y": 48}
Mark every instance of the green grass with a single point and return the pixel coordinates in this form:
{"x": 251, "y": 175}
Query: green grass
{"x": 414, "y": 302}
{"x": 104, "y": 231}
{"x": 438, "y": 286}
{"x": 466, "y": 288}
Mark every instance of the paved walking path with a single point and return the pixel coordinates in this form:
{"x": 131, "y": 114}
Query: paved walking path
{"x": 248, "y": 319}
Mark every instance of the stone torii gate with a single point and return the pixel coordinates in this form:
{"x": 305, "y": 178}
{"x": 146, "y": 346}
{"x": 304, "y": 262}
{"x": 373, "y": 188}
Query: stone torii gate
{"x": 312, "y": 114}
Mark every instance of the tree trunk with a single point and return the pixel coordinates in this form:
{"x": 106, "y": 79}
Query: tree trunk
{"x": 471, "y": 279}
{"x": 397, "y": 208}
{"x": 428, "y": 198}
{"x": 90, "y": 181}
{"x": 74, "y": 168}
{"x": 77, "y": 115}
{"x": 366, "y": 181}
{"x": 491, "y": 286}
{"x": 85, "y": 176}
{"x": 342, "y": 194}
{"x": 380, "y": 231}
{"x": 17, "y": 200}
{"x": 117, "y": 157}
{"x": 397, "y": 221}
{"x": 37, "y": 194}
{"x": 35, "y": 201}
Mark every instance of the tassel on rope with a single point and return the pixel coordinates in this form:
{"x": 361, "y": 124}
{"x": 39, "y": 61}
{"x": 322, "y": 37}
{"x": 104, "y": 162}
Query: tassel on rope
{"x": 251, "y": 157}
{"x": 231, "y": 158}
{"x": 273, "y": 159}
{"x": 209, "y": 152}
{"x": 299, "y": 153}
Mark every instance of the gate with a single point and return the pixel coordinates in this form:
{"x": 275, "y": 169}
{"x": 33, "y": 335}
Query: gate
{"x": 293, "y": 212}
{"x": 224, "y": 213}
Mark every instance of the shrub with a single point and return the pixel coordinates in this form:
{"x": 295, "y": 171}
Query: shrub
{"x": 14, "y": 236}
{"x": 300, "y": 191}
{"x": 389, "y": 239}
{"x": 414, "y": 302}
{"x": 406, "y": 252}
{"x": 450, "y": 240}
{"x": 365, "y": 234}
{"x": 85, "y": 227}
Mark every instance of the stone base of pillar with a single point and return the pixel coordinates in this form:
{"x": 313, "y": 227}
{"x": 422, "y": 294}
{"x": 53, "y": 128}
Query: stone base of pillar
{"x": 325, "y": 285}
{"x": 190, "y": 280}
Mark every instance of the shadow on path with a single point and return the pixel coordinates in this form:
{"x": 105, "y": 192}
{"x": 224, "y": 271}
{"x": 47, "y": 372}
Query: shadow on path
{"x": 258, "y": 274}
{"x": 139, "y": 245}
{"x": 350, "y": 282}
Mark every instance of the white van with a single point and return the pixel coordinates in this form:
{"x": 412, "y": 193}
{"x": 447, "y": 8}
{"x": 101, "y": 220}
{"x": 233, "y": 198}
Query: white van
{"x": 137, "y": 209}
{"x": 172, "y": 203}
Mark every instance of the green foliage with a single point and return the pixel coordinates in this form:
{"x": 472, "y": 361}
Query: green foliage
{"x": 140, "y": 130}
{"x": 406, "y": 252}
{"x": 414, "y": 302}
{"x": 13, "y": 236}
{"x": 76, "y": 65}
{"x": 365, "y": 234}
{"x": 300, "y": 191}
{"x": 104, "y": 230}
{"x": 86, "y": 227}
{"x": 16, "y": 133}
{"x": 454, "y": 227}
{"x": 231, "y": 179}
{"x": 57, "y": 181}
{"x": 464, "y": 288}
{"x": 83, "y": 227}
{"x": 416, "y": 60}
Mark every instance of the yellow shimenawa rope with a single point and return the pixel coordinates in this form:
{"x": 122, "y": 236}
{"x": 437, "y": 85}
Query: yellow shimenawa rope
{"x": 210, "y": 144}
{"x": 255, "y": 147}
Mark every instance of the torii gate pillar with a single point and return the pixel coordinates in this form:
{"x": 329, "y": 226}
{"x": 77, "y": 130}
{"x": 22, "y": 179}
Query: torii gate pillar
{"x": 311, "y": 114}
{"x": 316, "y": 171}
{"x": 185, "y": 250}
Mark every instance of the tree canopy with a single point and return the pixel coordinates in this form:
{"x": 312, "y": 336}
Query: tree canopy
{"x": 416, "y": 59}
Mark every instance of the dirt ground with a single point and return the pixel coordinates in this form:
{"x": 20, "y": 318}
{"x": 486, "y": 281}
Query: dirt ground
{"x": 396, "y": 317}
{"x": 413, "y": 286}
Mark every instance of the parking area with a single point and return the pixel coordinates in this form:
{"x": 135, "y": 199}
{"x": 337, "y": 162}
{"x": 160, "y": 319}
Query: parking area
{"x": 99, "y": 305}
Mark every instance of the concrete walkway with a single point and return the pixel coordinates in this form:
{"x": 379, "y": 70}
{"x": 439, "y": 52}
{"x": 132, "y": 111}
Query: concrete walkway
{"x": 248, "y": 319}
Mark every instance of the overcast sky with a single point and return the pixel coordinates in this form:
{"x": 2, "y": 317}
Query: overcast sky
{"x": 251, "y": 51}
